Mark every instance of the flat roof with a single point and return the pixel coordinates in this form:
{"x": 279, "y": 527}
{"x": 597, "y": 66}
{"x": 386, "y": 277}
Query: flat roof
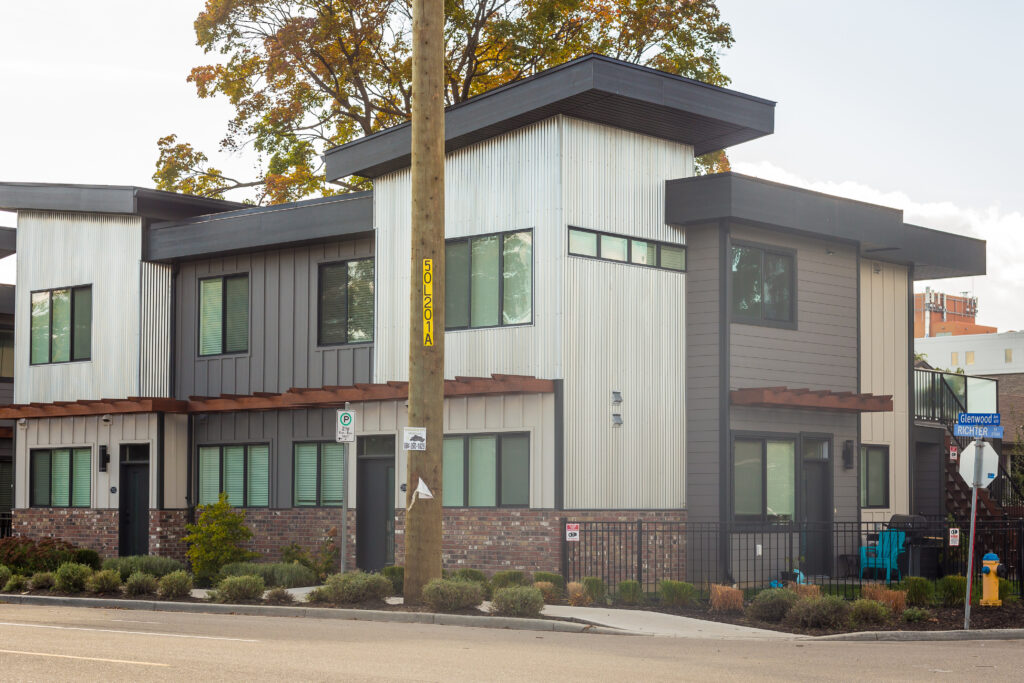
{"x": 594, "y": 88}
{"x": 878, "y": 230}
{"x": 116, "y": 199}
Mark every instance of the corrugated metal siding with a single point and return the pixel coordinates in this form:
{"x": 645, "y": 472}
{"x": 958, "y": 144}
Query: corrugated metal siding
{"x": 624, "y": 326}
{"x": 58, "y": 249}
{"x": 884, "y": 367}
{"x": 155, "y": 346}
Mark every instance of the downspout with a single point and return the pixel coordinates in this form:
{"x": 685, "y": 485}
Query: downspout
{"x": 189, "y": 502}
{"x": 160, "y": 474}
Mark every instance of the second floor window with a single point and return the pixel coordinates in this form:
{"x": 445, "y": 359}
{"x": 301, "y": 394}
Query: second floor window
{"x": 61, "y": 325}
{"x": 489, "y": 280}
{"x": 763, "y": 286}
{"x": 61, "y": 478}
{"x": 224, "y": 315}
{"x": 346, "y": 302}
{"x": 241, "y": 471}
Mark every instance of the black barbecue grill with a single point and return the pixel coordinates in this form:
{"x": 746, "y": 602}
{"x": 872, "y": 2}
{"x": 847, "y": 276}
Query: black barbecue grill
{"x": 921, "y": 548}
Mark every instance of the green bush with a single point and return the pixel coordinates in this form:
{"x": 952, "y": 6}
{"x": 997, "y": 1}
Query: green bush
{"x": 5, "y": 575}
{"x": 90, "y": 558}
{"x": 177, "y": 584}
{"x": 868, "y": 612}
{"x": 41, "y": 581}
{"x": 106, "y": 581}
{"x": 16, "y": 584}
{"x": 452, "y": 595}
{"x": 1006, "y": 591}
{"x": 475, "y": 576}
{"x": 239, "y": 588}
{"x": 950, "y": 591}
{"x": 71, "y": 577}
{"x": 920, "y": 591}
{"x": 826, "y": 612}
{"x": 351, "y": 588}
{"x": 27, "y": 556}
{"x": 912, "y": 614}
{"x": 595, "y": 589}
{"x": 629, "y": 593}
{"x": 141, "y": 583}
{"x": 510, "y": 577}
{"x": 517, "y": 601}
{"x": 216, "y": 539}
{"x": 677, "y": 593}
{"x": 396, "y": 575}
{"x": 323, "y": 561}
{"x": 551, "y": 577}
{"x": 289, "y": 575}
{"x": 148, "y": 564}
{"x": 279, "y": 595}
{"x": 772, "y": 604}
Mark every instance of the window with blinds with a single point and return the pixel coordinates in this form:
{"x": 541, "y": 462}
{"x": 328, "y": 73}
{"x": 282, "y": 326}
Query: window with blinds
{"x": 489, "y": 280}
{"x": 224, "y": 315}
{"x": 486, "y": 470}
{"x": 319, "y": 469}
{"x": 241, "y": 471}
{"x": 60, "y": 325}
{"x": 346, "y": 297}
{"x": 60, "y": 477}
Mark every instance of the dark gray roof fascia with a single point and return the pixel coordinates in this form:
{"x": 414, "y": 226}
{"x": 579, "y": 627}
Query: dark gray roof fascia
{"x": 6, "y": 299}
{"x": 879, "y": 231}
{"x": 8, "y": 241}
{"x": 264, "y": 227}
{"x": 594, "y": 88}
{"x": 115, "y": 199}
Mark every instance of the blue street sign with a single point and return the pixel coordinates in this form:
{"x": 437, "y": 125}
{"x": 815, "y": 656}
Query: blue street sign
{"x": 978, "y": 431}
{"x": 984, "y": 419}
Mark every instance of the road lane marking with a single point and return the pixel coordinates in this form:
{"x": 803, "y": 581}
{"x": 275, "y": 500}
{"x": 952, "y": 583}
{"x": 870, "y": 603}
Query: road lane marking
{"x": 134, "y": 633}
{"x": 88, "y": 659}
{"x": 135, "y": 621}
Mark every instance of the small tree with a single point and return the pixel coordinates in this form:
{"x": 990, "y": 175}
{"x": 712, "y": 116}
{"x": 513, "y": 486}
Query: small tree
{"x": 217, "y": 539}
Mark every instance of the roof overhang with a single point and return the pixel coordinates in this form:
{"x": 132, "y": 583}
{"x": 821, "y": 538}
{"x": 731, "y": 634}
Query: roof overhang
{"x": 834, "y": 401}
{"x": 7, "y": 299}
{"x": 594, "y": 88}
{"x": 879, "y": 231}
{"x": 8, "y": 241}
{"x": 112, "y": 199}
{"x": 101, "y": 406}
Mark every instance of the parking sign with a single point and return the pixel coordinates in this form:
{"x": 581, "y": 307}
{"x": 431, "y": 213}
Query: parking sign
{"x": 346, "y": 426}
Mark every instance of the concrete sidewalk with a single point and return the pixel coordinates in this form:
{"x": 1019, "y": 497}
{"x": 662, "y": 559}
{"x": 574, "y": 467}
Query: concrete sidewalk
{"x": 660, "y": 624}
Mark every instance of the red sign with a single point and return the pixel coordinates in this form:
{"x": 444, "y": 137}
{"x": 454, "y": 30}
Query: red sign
{"x": 953, "y": 451}
{"x": 572, "y": 531}
{"x": 954, "y": 537}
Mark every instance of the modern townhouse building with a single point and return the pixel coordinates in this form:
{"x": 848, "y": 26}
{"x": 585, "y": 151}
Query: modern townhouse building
{"x": 625, "y": 341}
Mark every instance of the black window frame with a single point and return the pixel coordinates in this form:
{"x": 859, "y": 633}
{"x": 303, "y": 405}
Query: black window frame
{"x": 7, "y": 328}
{"x": 71, "y": 477}
{"x": 223, "y": 315}
{"x": 319, "y": 483}
{"x": 319, "y": 300}
{"x": 501, "y": 280}
{"x": 245, "y": 472}
{"x": 629, "y": 249}
{"x": 497, "y": 465}
{"x": 71, "y": 339}
{"x": 765, "y": 249}
{"x": 764, "y": 438}
{"x": 863, "y": 492}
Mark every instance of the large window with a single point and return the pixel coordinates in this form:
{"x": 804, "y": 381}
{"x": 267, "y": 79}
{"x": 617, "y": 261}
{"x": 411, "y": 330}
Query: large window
{"x": 6, "y": 354}
{"x": 61, "y": 477}
{"x": 61, "y": 325}
{"x": 489, "y": 280}
{"x": 487, "y": 470}
{"x": 241, "y": 471}
{"x": 224, "y": 315}
{"x": 763, "y": 285}
{"x": 346, "y": 302}
{"x": 319, "y": 474}
{"x": 609, "y": 247}
{"x": 764, "y": 479}
{"x": 874, "y": 476}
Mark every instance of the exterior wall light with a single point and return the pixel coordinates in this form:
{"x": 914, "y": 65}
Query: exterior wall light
{"x": 616, "y": 397}
{"x": 23, "y": 423}
{"x": 106, "y": 419}
{"x": 848, "y": 455}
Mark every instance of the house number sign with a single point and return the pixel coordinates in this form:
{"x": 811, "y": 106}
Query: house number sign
{"x": 428, "y": 302}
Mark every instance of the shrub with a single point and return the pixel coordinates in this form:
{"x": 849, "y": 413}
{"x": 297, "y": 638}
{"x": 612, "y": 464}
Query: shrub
{"x": 1006, "y": 591}
{"x": 5, "y": 575}
{"x": 629, "y": 593}
{"x": 517, "y": 601}
{"x": 90, "y": 558}
{"x": 595, "y": 588}
{"x": 396, "y": 575}
{"x": 148, "y": 564}
{"x": 726, "y": 598}
{"x": 279, "y": 595}
{"x": 920, "y": 591}
{"x": 827, "y": 612}
{"x": 71, "y": 577}
{"x": 895, "y": 600}
{"x": 577, "y": 595}
{"x": 950, "y": 590}
{"x": 772, "y": 605}
{"x": 26, "y": 556}
{"x": 547, "y": 589}
{"x": 912, "y": 614}
{"x": 41, "y": 581}
{"x": 866, "y": 612}
{"x": 289, "y": 575}
{"x": 804, "y": 590}
{"x": 217, "y": 539}
{"x": 550, "y": 577}
{"x": 141, "y": 583}
{"x": 352, "y": 588}
{"x": 450, "y": 595}
{"x": 323, "y": 561}
{"x": 15, "y": 584}
{"x": 677, "y": 593}
{"x": 239, "y": 588}
{"x": 508, "y": 578}
{"x": 106, "y": 581}
{"x": 175, "y": 585}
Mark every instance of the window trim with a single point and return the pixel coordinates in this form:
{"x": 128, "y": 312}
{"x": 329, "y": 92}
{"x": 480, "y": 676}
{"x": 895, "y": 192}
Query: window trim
{"x": 501, "y": 280}
{"x": 497, "y": 465}
{"x": 863, "y": 494}
{"x": 629, "y": 249}
{"x": 71, "y": 477}
{"x": 319, "y": 299}
{"x": 245, "y": 472}
{"x": 71, "y": 338}
{"x": 735, "y": 317}
{"x": 223, "y": 315}
{"x": 319, "y": 484}
{"x": 764, "y": 438}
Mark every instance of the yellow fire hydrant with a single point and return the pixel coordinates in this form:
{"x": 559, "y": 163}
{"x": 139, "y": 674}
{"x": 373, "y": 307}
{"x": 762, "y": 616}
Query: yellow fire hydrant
{"x": 990, "y": 581}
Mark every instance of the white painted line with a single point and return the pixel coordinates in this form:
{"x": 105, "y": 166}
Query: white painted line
{"x": 135, "y": 621}
{"x": 88, "y": 659}
{"x": 134, "y": 633}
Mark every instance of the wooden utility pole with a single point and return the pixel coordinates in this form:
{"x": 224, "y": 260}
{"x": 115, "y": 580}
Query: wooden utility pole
{"x": 426, "y": 313}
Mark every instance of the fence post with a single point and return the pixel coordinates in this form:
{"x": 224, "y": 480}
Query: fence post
{"x": 565, "y": 550}
{"x": 640, "y": 552}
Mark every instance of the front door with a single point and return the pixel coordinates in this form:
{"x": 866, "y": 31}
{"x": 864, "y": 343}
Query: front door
{"x": 134, "y": 500}
{"x": 375, "y": 506}
{"x": 816, "y": 506}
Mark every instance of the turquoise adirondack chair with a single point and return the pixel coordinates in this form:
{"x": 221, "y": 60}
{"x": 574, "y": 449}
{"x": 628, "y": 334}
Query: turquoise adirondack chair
{"x": 884, "y": 554}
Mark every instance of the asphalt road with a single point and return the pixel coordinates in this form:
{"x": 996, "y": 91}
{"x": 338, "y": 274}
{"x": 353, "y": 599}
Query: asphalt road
{"x": 43, "y": 643}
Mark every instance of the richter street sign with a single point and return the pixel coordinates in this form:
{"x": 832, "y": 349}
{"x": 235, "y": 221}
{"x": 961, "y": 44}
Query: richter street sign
{"x": 978, "y": 431}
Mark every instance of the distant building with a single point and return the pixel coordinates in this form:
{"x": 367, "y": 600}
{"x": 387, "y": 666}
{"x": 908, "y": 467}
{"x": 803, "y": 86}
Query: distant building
{"x": 945, "y": 315}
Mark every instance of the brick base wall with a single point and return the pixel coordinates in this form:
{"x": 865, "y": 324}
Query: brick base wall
{"x": 84, "y": 527}
{"x": 166, "y": 531}
{"x": 309, "y": 527}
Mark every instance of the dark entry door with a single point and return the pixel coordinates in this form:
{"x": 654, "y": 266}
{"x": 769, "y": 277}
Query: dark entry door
{"x": 134, "y": 501}
{"x": 375, "y": 503}
{"x": 816, "y": 506}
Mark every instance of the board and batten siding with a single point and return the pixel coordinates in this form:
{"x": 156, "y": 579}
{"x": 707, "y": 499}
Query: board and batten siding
{"x": 61, "y": 249}
{"x": 885, "y": 360}
{"x": 283, "y": 300}
{"x": 155, "y": 340}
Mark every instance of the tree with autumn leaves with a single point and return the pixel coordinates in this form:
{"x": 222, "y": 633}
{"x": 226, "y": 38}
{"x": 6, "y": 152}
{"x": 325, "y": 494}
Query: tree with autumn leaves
{"x": 306, "y": 75}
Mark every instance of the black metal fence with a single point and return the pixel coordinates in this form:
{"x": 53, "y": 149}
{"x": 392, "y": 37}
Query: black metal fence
{"x": 6, "y": 523}
{"x": 841, "y": 556}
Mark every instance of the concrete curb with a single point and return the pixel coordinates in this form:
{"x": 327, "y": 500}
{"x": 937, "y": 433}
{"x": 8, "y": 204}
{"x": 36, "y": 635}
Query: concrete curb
{"x": 910, "y": 636}
{"x": 316, "y": 613}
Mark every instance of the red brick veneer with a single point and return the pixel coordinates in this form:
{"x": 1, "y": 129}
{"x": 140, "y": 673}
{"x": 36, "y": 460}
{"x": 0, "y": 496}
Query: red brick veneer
{"x": 166, "y": 531}
{"x": 85, "y": 527}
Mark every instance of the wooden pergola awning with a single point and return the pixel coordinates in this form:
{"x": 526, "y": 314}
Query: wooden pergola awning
{"x": 836, "y": 401}
{"x": 293, "y": 399}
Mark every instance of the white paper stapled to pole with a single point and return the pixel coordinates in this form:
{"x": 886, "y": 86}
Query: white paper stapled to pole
{"x": 422, "y": 491}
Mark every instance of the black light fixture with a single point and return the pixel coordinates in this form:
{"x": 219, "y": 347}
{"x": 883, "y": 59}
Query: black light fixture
{"x": 848, "y": 454}
{"x": 104, "y": 459}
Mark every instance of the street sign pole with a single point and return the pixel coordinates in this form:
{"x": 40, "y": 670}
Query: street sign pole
{"x": 978, "y": 466}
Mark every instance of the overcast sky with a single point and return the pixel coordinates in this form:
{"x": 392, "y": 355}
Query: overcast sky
{"x": 912, "y": 104}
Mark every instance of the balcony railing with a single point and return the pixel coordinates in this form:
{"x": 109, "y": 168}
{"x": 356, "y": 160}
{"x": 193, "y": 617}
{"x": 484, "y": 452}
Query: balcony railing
{"x": 941, "y": 396}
